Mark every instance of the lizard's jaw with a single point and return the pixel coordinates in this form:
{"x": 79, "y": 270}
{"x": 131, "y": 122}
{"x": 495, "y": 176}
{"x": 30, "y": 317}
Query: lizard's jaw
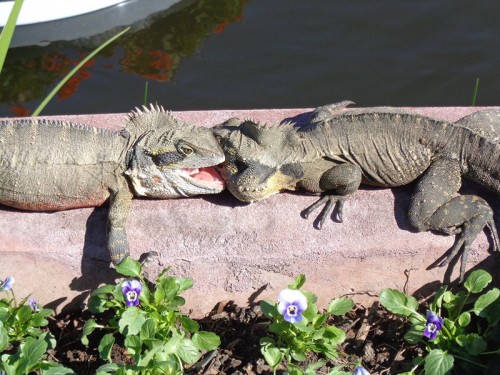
{"x": 149, "y": 181}
{"x": 205, "y": 176}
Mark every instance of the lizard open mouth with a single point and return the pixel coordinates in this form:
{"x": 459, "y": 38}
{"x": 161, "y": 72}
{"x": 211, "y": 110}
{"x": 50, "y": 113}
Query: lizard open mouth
{"x": 205, "y": 174}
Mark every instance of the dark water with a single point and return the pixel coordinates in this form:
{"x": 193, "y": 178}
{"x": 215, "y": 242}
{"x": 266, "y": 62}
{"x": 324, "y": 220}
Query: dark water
{"x": 273, "y": 53}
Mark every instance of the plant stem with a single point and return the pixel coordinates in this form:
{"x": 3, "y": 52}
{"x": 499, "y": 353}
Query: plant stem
{"x": 493, "y": 352}
{"x": 448, "y": 333}
{"x": 75, "y": 69}
{"x": 146, "y": 86}
{"x": 8, "y": 31}
{"x": 468, "y": 360}
{"x": 474, "y": 95}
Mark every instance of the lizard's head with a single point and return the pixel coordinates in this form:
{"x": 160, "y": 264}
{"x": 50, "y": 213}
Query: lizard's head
{"x": 170, "y": 159}
{"x": 259, "y": 160}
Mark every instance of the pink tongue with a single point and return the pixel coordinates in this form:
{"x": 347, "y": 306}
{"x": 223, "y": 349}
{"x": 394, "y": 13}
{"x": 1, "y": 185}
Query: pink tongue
{"x": 208, "y": 174}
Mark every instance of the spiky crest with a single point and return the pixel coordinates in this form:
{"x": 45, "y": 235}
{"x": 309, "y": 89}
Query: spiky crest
{"x": 141, "y": 121}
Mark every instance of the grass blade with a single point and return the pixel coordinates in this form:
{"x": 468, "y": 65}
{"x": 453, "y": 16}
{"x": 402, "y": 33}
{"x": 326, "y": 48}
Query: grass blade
{"x": 146, "y": 86}
{"x": 75, "y": 69}
{"x": 8, "y": 31}
{"x": 474, "y": 95}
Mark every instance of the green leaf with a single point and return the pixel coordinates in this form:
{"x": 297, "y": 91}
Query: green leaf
{"x": 334, "y": 335}
{"x": 415, "y": 334}
{"x": 184, "y": 283}
{"x": 477, "y": 281}
{"x": 131, "y": 321}
{"x": 319, "y": 320}
{"x": 454, "y": 303}
{"x": 31, "y": 353}
{"x": 312, "y": 310}
{"x": 399, "y": 303}
{"x": 105, "y": 346}
{"x": 318, "y": 333}
{"x": 473, "y": 343}
{"x": 438, "y": 362}
{"x": 57, "y": 369}
{"x": 105, "y": 289}
{"x": 8, "y": 31}
{"x": 166, "y": 289}
{"x": 38, "y": 319}
{"x": 464, "y": 319}
{"x": 272, "y": 355}
{"x": 24, "y": 313}
{"x": 340, "y": 306}
{"x": 298, "y": 282}
{"x": 492, "y": 313}
{"x": 189, "y": 324}
{"x": 178, "y": 301}
{"x": 88, "y": 328}
{"x": 147, "y": 358}
{"x": 438, "y": 299}
{"x": 206, "y": 340}
{"x": 301, "y": 326}
{"x": 294, "y": 370}
{"x": 108, "y": 368}
{"x": 97, "y": 304}
{"x": 337, "y": 370}
{"x": 129, "y": 267}
{"x": 486, "y": 300}
{"x": 188, "y": 352}
{"x": 133, "y": 344}
{"x": 311, "y": 297}
{"x": 4, "y": 338}
{"x": 298, "y": 354}
{"x": 330, "y": 351}
{"x": 267, "y": 341}
{"x": 148, "y": 330}
{"x": 269, "y": 309}
{"x": 315, "y": 365}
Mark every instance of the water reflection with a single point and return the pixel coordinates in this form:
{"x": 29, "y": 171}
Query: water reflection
{"x": 153, "y": 49}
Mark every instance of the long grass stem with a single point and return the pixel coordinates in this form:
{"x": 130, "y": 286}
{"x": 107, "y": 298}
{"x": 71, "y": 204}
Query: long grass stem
{"x": 474, "y": 95}
{"x": 8, "y": 31}
{"x": 75, "y": 69}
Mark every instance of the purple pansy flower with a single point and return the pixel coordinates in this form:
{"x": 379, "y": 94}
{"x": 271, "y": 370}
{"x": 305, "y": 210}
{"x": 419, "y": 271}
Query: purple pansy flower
{"x": 7, "y": 284}
{"x": 33, "y": 305}
{"x": 292, "y": 303}
{"x": 131, "y": 289}
{"x": 360, "y": 371}
{"x": 433, "y": 325}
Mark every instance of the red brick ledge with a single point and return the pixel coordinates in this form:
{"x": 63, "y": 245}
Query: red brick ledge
{"x": 235, "y": 251}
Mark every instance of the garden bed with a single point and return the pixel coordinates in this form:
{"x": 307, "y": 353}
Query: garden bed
{"x": 373, "y": 334}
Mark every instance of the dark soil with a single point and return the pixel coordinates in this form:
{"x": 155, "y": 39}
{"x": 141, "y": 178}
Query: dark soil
{"x": 373, "y": 334}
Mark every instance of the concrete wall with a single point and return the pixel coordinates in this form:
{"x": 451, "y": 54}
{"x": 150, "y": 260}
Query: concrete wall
{"x": 233, "y": 250}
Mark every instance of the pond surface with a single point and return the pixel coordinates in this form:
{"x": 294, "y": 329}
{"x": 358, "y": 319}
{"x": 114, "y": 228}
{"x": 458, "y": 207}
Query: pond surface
{"x": 265, "y": 54}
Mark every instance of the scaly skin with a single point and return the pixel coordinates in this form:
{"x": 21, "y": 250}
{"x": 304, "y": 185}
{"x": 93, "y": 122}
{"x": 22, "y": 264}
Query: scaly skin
{"x": 381, "y": 146}
{"x": 48, "y": 165}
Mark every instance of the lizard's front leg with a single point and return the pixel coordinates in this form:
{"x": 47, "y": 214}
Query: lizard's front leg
{"x": 337, "y": 184}
{"x": 120, "y": 202}
{"x": 434, "y": 206}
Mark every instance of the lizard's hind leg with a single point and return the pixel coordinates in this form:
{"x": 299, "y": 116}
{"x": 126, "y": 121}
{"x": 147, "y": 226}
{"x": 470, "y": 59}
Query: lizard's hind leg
{"x": 435, "y": 206}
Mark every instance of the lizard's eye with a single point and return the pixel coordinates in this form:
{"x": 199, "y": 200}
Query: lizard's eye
{"x": 184, "y": 149}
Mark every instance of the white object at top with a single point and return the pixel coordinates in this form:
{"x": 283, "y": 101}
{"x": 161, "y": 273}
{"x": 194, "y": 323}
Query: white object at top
{"x": 36, "y": 11}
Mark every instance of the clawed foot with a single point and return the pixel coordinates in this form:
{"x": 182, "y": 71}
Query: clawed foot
{"x": 463, "y": 243}
{"x": 460, "y": 245}
{"x": 329, "y": 202}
